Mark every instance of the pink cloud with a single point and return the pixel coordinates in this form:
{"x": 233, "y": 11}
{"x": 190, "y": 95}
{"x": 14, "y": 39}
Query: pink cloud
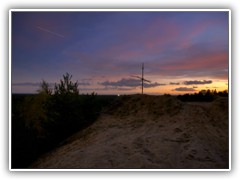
{"x": 218, "y": 60}
{"x": 196, "y": 30}
{"x": 160, "y": 32}
{"x": 137, "y": 43}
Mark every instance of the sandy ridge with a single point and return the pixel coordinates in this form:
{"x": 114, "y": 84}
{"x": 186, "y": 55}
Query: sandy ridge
{"x": 149, "y": 132}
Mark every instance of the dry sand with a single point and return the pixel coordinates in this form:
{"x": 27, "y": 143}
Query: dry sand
{"x": 149, "y": 132}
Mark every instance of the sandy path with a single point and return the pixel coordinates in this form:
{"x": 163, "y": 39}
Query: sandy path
{"x": 195, "y": 136}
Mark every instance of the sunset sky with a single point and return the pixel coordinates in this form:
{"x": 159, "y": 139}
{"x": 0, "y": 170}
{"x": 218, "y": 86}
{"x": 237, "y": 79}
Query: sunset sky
{"x": 183, "y": 52}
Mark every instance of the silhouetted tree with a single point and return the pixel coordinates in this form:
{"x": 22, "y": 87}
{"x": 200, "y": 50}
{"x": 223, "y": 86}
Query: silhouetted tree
{"x": 203, "y": 96}
{"x": 66, "y": 86}
{"x": 40, "y": 122}
{"x": 44, "y": 88}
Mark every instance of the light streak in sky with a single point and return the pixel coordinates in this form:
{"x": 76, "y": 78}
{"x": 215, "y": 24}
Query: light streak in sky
{"x": 50, "y": 32}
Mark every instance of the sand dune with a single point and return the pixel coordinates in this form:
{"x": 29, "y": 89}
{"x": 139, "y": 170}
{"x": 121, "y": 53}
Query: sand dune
{"x": 149, "y": 132}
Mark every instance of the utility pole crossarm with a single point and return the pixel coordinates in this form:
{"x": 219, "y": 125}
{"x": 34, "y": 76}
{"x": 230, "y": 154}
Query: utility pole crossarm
{"x": 142, "y": 78}
{"x": 136, "y": 77}
{"x": 146, "y": 80}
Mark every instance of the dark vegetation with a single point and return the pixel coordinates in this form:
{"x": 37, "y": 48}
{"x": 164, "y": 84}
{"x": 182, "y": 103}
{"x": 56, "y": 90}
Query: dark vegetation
{"x": 42, "y": 121}
{"x": 203, "y": 96}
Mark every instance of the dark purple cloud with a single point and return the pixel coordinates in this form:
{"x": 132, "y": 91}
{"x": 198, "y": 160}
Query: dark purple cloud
{"x": 129, "y": 83}
{"x": 123, "y": 82}
{"x": 153, "y": 85}
{"x": 184, "y": 89}
{"x": 84, "y": 84}
{"x": 26, "y": 84}
{"x": 197, "y": 82}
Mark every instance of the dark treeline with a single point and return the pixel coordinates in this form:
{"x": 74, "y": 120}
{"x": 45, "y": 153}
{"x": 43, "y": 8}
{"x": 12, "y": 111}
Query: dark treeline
{"x": 203, "y": 96}
{"x": 40, "y": 122}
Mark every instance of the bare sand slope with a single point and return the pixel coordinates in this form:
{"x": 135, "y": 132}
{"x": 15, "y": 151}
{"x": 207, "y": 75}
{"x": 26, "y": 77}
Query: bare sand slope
{"x": 149, "y": 132}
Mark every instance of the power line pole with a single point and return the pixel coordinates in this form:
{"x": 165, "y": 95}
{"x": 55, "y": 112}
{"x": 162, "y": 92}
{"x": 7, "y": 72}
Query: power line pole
{"x": 142, "y": 78}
